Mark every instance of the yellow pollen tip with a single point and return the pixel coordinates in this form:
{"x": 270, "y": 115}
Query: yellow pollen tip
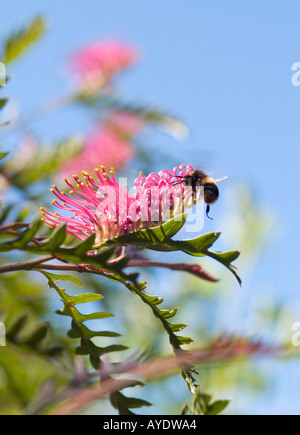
{"x": 75, "y": 176}
{"x": 54, "y": 201}
{"x": 41, "y": 208}
{"x": 63, "y": 204}
{"x": 97, "y": 169}
{"x": 57, "y": 225}
{"x": 56, "y": 213}
{"x": 43, "y": 219}
{"x": 71, "y": 192}
{"x": 65, "y": 179}
{"x": 102, "y": 167}
{"x": 62, "y": 193}
{"x": 141, "y": 173}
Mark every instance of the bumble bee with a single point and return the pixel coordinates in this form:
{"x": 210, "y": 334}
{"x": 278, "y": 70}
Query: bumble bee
{"x": 199, "y": 178}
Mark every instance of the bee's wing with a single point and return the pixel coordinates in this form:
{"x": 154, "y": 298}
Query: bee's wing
{"x": 221, "y": 179}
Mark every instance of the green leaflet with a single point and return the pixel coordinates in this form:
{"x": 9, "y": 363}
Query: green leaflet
{"x": 19, "y": 42}
{"x": 123, "y": 403}
{"x": 2, "y": 155}
{"x": 3, "y": 101}
{"x": 76, "y": 332}
{"x": 38, "y": 339}
{"x": 203, "y": 405}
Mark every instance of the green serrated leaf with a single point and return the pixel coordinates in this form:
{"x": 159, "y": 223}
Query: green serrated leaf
{"x": 151, "y": 236}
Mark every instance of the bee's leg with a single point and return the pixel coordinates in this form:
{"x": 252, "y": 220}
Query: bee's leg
{"x": 207, "y": 211}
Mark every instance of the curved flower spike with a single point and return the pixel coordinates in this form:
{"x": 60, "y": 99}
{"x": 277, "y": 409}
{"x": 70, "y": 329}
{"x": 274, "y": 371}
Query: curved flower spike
{"x": 106, "y": 208}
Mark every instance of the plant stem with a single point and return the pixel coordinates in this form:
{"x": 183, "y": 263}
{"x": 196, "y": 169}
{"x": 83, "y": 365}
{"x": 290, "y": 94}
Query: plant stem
{"x": 25, "y": 265}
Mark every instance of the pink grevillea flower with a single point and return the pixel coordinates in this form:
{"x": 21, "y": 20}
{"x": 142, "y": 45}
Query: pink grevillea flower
{"x": 101, "y": 61}
{"x": 105, "y": 144}
{"x": 125, "y": 123}
{"x": 102, "y": 206}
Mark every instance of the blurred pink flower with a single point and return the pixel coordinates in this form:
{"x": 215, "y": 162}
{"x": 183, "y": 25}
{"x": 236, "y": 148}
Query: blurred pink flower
{"x": 105, "y": 208}
{"x": 126, "y": 123}
{"x": 101, "y": 61}
{"x": 105, "y": 145}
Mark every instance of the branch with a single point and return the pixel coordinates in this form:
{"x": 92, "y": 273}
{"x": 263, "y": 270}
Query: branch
{"x": 194, "y": 269}
{"x": 25, "y": 265}
{"x": 13, "y": 226}
{"x": 87, "y": 268}
{"x": 226, "y": 349}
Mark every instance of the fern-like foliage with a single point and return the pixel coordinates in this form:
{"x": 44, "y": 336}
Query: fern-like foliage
{"x": 159, "y": 238}
{"x": 87, "y": 346}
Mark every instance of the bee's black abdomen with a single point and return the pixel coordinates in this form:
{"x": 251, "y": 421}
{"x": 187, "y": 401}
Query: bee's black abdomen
{"x": 211, "y": 192}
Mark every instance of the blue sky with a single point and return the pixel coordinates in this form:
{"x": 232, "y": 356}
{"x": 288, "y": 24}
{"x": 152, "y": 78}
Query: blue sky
{"x": 225, "y": 68}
